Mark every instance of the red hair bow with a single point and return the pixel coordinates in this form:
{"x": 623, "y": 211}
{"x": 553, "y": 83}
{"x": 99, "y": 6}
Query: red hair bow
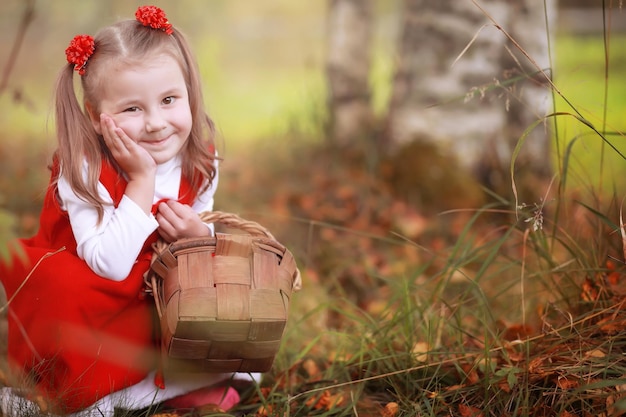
{"x": 79, "y": 51}
{"x": 154, "y": 17}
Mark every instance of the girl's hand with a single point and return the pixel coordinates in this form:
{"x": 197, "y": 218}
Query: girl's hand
{"x": 136, "y": 162}
{"x": 177, "y": 221}
{"x": 132, "y": 158}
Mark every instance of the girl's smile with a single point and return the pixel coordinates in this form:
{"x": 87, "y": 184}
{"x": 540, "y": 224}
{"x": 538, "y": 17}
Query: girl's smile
{"x": 150, "y": 103}
{"x": 153, "y": 142}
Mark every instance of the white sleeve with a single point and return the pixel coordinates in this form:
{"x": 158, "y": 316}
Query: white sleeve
{"x": 111, "y": 247}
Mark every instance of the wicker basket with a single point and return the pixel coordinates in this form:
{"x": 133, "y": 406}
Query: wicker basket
{"x": 223, "y": 301}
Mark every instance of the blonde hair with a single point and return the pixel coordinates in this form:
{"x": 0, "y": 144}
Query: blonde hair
{"x": 126, "y": 43}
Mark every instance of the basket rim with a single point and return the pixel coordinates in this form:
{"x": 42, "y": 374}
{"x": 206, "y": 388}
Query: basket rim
{"x": 164, "y": 253}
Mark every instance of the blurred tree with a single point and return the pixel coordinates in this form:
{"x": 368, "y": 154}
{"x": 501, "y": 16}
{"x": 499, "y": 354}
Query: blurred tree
{"x": 7, "y": 220}
{"x": 463, "y": 84}
{"x": 347, "y": 68}
{"x": 27, "y": 18}
{"x": 460, "y": 83}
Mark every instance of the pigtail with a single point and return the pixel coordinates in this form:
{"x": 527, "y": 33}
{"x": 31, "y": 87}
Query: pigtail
{"x": 77, "y": 141}
{"x": 199, "y": 154}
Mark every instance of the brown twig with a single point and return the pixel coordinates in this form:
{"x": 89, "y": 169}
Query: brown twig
{"x": 27, "y": 18}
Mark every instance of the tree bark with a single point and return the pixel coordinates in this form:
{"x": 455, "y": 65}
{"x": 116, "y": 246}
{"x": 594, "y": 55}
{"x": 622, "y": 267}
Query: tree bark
{"x": 347, "y": 69}
{"x": 460, "y": 83}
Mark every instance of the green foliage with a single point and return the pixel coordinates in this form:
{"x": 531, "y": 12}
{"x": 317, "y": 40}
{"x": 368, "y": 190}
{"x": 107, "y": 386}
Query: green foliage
{"x": 588, "y": 74}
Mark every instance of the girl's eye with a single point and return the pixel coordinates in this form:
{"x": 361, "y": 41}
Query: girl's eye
{"x": 169, "y": 100}
{"x": 132, "y": 109}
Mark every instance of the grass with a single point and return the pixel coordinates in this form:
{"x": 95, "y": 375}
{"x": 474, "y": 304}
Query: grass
{"x": 522, "y": 323}
{"x": 459, "y": 317}
{"x": 522, "y": 319}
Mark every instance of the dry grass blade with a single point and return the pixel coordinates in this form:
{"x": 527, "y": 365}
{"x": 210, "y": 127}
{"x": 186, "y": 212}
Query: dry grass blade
{"x": 47, "y": 255}
{"x": 622, "y": 230}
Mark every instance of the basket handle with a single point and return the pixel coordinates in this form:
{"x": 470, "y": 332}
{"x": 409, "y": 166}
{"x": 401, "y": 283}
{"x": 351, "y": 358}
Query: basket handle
{"x": 229, "y": 220}
{"x": 236, "y": 222}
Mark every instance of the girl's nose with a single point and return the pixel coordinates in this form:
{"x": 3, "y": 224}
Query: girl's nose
{"x": 154, "y": 123}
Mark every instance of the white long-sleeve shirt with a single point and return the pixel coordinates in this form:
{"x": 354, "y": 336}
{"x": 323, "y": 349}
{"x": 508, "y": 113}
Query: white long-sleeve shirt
{"x": 111, "y": 247}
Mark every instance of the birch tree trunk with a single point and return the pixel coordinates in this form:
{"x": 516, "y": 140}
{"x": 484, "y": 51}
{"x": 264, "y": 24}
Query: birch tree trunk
{"x": 469, "y": 101}
{"x": 347, "y": 69}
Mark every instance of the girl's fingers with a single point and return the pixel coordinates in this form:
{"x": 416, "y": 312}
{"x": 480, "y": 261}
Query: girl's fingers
{"x": 164, "y": 210}
{"x": 123, "y": 138}
{"x": 167, "y": 219}
{"x": 110, "y": 132}
{"x": 165, "y": 227}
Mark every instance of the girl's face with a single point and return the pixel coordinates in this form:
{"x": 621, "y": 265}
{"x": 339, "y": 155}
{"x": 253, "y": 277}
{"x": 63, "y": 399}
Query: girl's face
{"x": 150, "y": 103}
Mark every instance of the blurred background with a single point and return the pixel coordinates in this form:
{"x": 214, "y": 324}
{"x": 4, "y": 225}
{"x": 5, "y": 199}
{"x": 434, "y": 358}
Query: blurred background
{"x": 443, "y": 171}
{"x": 259, "y": 60}
{"x": 265, "y": 64}
{"x": 374, "y": 115}
{"x": 439, "y": 169}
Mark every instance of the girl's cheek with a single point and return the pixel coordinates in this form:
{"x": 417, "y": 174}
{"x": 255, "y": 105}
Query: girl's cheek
{"x": 128, "y": 128}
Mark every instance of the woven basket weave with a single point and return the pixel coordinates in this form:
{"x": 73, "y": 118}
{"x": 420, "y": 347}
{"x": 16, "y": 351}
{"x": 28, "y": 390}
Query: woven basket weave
{"x": 223, "y": 301}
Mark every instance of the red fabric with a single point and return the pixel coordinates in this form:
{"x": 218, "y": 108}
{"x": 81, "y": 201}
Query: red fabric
{"x": 78, "y": 335}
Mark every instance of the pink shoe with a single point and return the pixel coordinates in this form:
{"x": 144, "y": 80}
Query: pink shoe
{"x": 223, "y": 397}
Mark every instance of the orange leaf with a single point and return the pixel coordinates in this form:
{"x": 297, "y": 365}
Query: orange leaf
{"x": 326, "y": 401}
{"x": 589, "y": 292}
{"x": 517, "y": 331}
{"x": 470, "y": 372}
{"x": 468, "y": 411}
{"x": 264, "y": 411}
{"x": 312, "y": 369}
{"x": 611, "y": 326}
{"x": 610, "y": 265}
{"x": 391, "y": 409}
{"x": 566, "y": 383}
{"x": 536, "y": 366}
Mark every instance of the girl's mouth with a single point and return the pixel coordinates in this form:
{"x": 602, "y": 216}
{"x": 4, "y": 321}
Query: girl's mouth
{"x": 155, "y": 142}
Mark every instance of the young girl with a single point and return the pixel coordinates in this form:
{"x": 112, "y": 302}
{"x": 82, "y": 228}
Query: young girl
{"x": 133, "y": 163}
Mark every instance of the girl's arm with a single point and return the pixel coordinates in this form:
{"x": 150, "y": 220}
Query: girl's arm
{"x": 111, "y": 247}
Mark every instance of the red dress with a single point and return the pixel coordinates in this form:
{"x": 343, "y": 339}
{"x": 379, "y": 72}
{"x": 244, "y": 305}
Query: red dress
{"x": 76, "y": 335}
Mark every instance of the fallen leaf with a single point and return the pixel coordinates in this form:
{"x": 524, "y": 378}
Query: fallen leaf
{"x": 470, "y": 373}
{"x": 420, "y": 351}
{"x": 311, "y": 368}
{"x": 565, "y": 383}
{"x": 468, "y": 411}
{"x": 325, "y": 401}
{"x": 391, "y": 409}
{"x": 517, "y": 332}
{"x": 589, "y": 291}
{"x": 595, "y": 353}
{"x": 611, "y": 326}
